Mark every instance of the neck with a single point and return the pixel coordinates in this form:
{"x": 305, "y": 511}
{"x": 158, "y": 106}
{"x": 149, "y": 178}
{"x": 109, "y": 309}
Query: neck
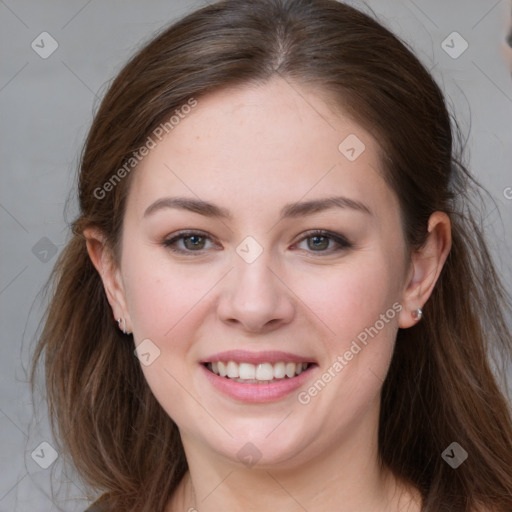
{"x": 348, "y": 477}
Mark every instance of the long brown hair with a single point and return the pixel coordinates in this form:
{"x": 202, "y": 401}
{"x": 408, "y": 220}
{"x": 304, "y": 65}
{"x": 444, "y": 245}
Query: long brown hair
{"x": 439, "y": 389}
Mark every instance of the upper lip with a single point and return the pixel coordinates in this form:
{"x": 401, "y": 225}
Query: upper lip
{"x": 267, "y": 356}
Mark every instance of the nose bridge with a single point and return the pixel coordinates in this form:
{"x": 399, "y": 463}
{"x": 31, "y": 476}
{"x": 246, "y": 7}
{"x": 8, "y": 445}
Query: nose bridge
{"x": 253, "y": 263}
{"x": 255, "y": 296}
{"x": 255, "y": 278}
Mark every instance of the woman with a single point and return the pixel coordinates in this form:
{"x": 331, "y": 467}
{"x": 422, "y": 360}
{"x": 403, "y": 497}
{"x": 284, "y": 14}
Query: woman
{"x": 272, "y": 216}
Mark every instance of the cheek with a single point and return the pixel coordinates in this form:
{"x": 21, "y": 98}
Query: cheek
{"x": 350, "y": 297}
{"x": 359, "y": 304}
{"x": 160, "y": 294}
{"x": 165, "y": 307}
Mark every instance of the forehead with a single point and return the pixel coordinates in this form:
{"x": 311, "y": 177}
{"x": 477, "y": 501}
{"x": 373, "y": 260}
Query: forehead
{"x": 260, "y": 145}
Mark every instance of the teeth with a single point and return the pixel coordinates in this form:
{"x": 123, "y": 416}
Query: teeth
{"x": 264, "y": 371}
{"x": 245, "y": 371}
{"x": 279, "y": 370}
{"x": 232, "y": 370}
{"x": 222, "y": 369}
{"x": 290, "y": 369}
{"x": 260, "y": 373}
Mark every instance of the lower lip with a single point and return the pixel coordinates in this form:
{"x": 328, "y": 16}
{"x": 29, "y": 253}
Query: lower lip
{"x": 257, "y": 393}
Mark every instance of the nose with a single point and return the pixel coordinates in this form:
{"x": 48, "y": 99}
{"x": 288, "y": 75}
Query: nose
{"x": 255, "y": 299}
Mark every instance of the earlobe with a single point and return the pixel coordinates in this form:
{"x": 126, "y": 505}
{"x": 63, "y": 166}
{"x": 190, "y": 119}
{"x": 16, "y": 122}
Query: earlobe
{"x": 110, "y": 275}
{"x": 426, "y": 265}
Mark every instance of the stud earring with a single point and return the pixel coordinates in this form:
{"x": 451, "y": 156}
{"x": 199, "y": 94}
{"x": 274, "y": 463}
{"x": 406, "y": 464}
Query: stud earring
{"x": 417, "y": 314}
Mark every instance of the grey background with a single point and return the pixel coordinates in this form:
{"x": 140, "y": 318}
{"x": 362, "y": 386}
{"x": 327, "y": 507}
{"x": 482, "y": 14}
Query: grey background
{"x": 47, "y": 106}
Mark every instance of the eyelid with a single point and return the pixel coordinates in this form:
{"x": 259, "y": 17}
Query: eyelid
{"x": 169, "y": 241}
{"x": 342, "y": 241}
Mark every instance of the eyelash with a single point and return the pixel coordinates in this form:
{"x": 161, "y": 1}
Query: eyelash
{"x": 343, "y": 243}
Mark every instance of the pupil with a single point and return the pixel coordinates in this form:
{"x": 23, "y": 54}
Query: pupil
{"x": 320, "y": 242}
{"x": 195, "y": 241}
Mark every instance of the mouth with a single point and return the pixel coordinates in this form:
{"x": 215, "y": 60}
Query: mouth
{"x": 257, "y": 377}
{"x": 259, "y": 373}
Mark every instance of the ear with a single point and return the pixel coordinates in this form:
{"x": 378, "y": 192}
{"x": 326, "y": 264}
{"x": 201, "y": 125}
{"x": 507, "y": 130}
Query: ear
{"x": 426, "y": 265}
{"x": 110, "y": 274}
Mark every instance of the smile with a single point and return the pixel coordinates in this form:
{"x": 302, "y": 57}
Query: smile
{"x": 258, "y": 377}
{"x": 262, "y": 373}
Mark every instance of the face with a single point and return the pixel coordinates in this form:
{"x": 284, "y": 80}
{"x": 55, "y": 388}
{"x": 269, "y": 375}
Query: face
{"x": 292, "y": 278}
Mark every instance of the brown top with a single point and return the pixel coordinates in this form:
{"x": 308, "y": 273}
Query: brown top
{"x": 96, "y": 507}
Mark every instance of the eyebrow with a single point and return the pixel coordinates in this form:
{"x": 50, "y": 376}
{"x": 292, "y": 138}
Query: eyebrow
{"x": 290, "y": 210}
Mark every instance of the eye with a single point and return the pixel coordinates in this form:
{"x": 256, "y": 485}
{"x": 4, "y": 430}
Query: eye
{"x": 188, "y": 241}
{"x": 320, "y": 241}
{"x": 324, "y": 241}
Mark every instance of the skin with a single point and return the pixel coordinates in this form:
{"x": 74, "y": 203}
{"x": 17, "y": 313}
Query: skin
{"x": 253, "y": 149}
